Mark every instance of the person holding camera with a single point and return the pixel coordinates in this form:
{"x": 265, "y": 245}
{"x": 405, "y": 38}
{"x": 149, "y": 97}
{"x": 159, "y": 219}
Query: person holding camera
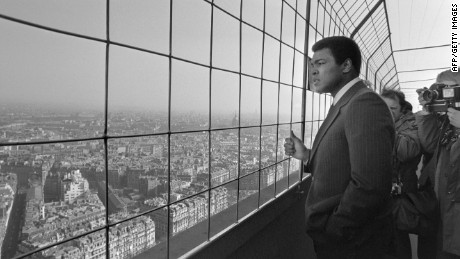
{"x": 406, "y": 157}
{"x": 439, "y": 130}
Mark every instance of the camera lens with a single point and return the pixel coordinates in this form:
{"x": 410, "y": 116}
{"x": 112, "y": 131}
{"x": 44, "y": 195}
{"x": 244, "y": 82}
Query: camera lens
{"x": 429, "y": 95}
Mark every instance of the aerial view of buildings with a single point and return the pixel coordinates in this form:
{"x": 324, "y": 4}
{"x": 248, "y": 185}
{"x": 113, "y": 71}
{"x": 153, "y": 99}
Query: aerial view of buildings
{"x": 64, "y": 183}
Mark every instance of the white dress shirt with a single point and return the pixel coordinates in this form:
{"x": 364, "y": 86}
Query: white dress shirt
{"x": 344, "y": 89}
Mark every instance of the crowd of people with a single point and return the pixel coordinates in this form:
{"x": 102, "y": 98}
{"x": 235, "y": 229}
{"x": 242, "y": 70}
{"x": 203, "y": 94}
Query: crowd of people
{"x": 369, "y": 146}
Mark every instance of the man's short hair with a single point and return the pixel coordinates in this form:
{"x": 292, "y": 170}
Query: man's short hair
{"x": 449, "y": 76}
{"x": 396, "y": 95}
{"x": 407, "y": 107}
{"x": 341, "y": 48}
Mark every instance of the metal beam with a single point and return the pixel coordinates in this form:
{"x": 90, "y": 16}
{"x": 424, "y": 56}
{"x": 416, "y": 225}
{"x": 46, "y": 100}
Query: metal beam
{"x": 412, "y": 81}
{"x": 371, "y": 12}
{"x": 428, "y": 47}
{"x": 305, "y": 74}
{"x": 427, "y": 69}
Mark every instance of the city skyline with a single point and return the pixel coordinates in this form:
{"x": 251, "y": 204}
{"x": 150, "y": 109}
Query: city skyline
{"x": 52, "y": 177}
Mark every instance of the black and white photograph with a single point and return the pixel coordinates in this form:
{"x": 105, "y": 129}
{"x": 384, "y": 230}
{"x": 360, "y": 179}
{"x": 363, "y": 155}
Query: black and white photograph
{"x": 313, "y": 129}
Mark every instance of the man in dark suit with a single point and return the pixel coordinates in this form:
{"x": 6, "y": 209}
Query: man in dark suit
{"x": 347, "y": 212}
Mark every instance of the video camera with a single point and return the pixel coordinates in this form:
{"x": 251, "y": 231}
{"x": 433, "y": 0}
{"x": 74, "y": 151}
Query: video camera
{"x": 440, "y": 97}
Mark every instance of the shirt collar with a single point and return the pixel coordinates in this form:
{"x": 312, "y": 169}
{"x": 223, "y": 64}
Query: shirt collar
{"x": 344, "y": 89}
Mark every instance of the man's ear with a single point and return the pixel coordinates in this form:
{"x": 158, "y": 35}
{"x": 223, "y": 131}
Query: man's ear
{"x": 347, "y": 65}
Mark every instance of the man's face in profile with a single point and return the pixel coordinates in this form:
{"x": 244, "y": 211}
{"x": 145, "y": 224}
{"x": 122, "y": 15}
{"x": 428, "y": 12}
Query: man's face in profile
{"x": 394, "y": 106}
{"x": 326, "y": 73}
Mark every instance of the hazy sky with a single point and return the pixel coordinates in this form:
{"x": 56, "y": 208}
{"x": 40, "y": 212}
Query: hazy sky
{"x": 46, "y": 67}
{"x": 40, "y": 66}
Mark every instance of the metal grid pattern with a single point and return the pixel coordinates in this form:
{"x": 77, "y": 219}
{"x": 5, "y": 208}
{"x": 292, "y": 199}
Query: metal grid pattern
{"x": 284, "y": 32}
{"x": 283, "y": 43}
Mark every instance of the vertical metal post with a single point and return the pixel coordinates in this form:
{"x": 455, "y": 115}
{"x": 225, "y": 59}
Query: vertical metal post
{"x": 106, "y": 105}
{"x": 210, "y": 121}
{"x": 305, "y": 78}
{"x": 168, "y": 204}
{"x": 306, "y": 71}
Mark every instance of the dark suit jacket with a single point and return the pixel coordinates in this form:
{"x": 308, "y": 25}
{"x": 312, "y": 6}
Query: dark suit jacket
{"x": 351, "y": 166}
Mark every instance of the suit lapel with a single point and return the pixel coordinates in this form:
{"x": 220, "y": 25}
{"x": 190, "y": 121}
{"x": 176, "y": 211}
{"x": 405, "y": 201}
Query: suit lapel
{"x": 332, "y": 115}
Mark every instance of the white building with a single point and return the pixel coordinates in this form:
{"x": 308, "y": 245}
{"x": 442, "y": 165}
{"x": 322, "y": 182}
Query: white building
{"x": 73, "y": 185}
